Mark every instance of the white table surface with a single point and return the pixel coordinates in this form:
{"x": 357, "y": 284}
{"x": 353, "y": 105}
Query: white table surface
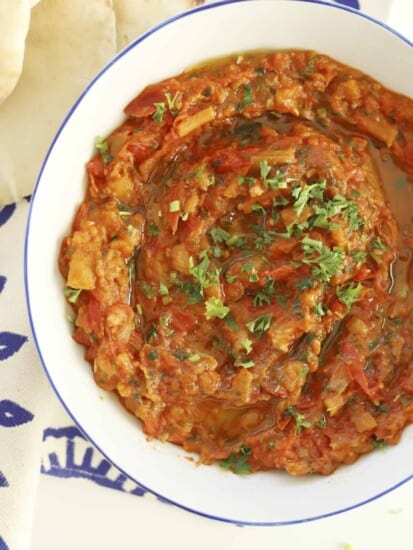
{"x": 77, "y": 514}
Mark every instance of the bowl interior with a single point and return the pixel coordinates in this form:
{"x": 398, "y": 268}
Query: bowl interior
{"x": 208, "y": 32}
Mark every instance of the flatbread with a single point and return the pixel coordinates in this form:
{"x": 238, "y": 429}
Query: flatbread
{"x": 14, "y": 24}
{"x": 68, "y": 42}
{"x": 133, "y": 17}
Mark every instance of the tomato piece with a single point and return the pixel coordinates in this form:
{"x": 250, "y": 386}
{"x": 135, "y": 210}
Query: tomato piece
{"x": 94, "y": 314}
{"x": 95, "y": 167}
{"x": 139, "y": 151}
{"x": 279, "y": 273}
{"x": 182, "y": 321}
{"x": 144, "y": 104}
{"x": 230, "y": 162}
{"x": 408, "y": 157}
{"x": 355, "y": 366}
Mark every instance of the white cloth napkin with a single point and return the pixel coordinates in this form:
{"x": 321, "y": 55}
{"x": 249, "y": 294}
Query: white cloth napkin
{"x": 36, "y": 434}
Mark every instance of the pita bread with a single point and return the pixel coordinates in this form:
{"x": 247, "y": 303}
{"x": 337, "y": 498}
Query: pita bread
{"x": 133, "y": 17}
{"x": 14, "y": 24}
{"x": 68, "y": 42}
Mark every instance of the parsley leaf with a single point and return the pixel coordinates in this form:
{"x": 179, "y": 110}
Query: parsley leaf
{"x": 300, "y": 421}
{"x": 175, "y": 206}
{"x": 193, "y": 291}
{"x": 219, "y": 235}
{"x": 238, "y": 462}
{"x": 349, "y": 295}
{"x": 72, "y": 294}
{"x": 203, "y": 274}
{"x": 327, "y": 262}
{"x": 102, "y": 146}
{"x": 159, "y": 112}
{"x": 248, "y": 98}
{"x": 275, "y": 182}
{"x": 153, "y": 230}
{"x": 215, "y": 308}
{"x": 171, "y": 100}
{"x": 148, "y": 290}
{"x": 305, "y": 284}
{"x": 378, "y": 244}
{"x": 260, "y": 324}
{"x": 309, "y": 191}
{"x": 247, "y": 344}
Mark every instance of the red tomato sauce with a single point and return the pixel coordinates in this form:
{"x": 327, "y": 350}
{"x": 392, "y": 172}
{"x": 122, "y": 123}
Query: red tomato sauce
{"x": 241, "y": 265}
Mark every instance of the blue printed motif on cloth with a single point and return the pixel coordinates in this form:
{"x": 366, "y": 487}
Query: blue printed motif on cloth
{"x": 6, "y": 213}
{"x": 10, "y": 343}
{"x": 3, "y": 281}
{"x": 65, "y": 465}
{"x": 12, "y": 414}
{"x": 350, "y": 3}
{"x": 3, "y": 545}
{"x": 3, "y": 480}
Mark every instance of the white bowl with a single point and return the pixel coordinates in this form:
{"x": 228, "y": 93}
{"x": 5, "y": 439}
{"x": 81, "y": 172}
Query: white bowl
{"x": 206, "y": 32}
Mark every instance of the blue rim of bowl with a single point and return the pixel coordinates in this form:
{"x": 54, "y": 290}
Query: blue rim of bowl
{"x": 26, "y": 284}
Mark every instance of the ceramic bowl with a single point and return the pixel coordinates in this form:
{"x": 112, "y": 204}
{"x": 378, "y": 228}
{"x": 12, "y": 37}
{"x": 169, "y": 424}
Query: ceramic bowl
{"x": 211, "y": 31}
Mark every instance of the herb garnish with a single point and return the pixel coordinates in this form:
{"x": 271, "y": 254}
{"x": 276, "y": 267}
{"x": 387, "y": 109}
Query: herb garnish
{"x": 349, "y": 295}
{"x": 300, "y": 421}
{"x": 72, "y": 294}
{"x": 277, "y": 181}
{"x": 260, "y": 324}
{"x": 202, "y": 273}
{"x": 326, "y": 262}
{"x": 238, "y": 462}
{"x": 378, "y": 244}
{"x": 102, "y": 146}
{"x": 153, "y": 230}
{"x": 159, "y": 112}
{"x": 214, "y": 307}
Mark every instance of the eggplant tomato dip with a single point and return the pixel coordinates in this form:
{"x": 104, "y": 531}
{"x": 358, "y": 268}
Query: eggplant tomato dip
{"x": 240, "y": 267}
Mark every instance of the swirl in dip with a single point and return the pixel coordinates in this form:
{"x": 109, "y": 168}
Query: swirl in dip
{"x": 240, "y": 265}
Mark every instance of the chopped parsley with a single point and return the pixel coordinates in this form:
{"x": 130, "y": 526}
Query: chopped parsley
{"x": 378, "y": 244}
{"x": 160, "y": 110}
{"x": 175, "y": 206}
{"x": 201, "y": 272}
{"x": 305, "y": 284}
{"x": 277, "y": 181}
{"x": 153, "y": 354}
{"x": 302, "y": 195}
{"x": 102, "y": 146}
{"x": 247, "y": 344}
{"x": 215, "y": 308}
{"x": 72, "y": 294}
{"x": 184, "y": 355}
{"x": 238, "y": 462}
{"x": 349, "y": 295}
{"x": 320, "y": 309}
{"x": 358, "y": 256}
{"x": 192, "y": 290}
{"x": 153, "y": 230}
{"x": 247, "y": 179}
{"x": 219, "y": 235}
{"x": 230, "y": 321}
{"x": 171, "y": 101}
{"x": 148, "y": 290}
{"x": 264, "y": 295}
{"x": 245, "y": 363}
{"x": 163, "y": 289}
{"x": 379, "y": 443}
{"x": 326, "y": 262}
{"x": 260, "y": 324}
{"x": 251, "y": 271}
{"x": 300, "y": 421}
{"x": 248, "y": 98}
